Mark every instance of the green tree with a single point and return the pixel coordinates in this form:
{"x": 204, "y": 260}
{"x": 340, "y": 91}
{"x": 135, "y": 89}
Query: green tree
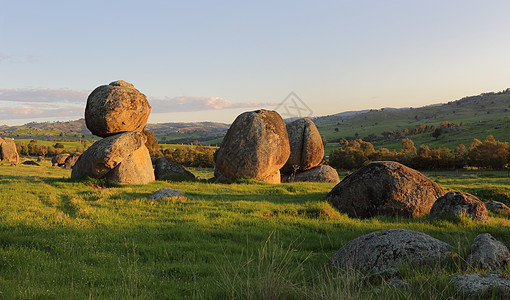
{"x": 437, "y": 133}
{"x": 490, "y": 153}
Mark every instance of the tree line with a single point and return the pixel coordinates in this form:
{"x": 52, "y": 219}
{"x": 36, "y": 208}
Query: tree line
{"x": 489, "y": 154}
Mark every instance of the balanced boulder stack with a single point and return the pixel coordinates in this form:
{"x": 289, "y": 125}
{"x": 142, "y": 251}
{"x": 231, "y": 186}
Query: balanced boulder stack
{"x": 306, "y": 155}
{"x": 256, "y": 146}
{"x": 117, "y": 112}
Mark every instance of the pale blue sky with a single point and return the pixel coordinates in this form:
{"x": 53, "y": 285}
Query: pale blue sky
{"x": 211, "y": 60}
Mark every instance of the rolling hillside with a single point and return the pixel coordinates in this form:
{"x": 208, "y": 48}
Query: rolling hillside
{"x": 480, "y": 115}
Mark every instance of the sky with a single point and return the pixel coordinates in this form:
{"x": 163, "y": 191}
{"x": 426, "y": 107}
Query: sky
{"x": 212, "y": 60}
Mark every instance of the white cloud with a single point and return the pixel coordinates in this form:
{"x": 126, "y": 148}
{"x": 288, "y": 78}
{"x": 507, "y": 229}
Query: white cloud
{"x": 189, "y": 104}
{"x": 17, "y": 104}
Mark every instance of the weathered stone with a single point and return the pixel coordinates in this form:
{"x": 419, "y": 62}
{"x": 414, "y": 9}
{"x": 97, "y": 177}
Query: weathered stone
{"x": 106, "y": 154}
{"x": 59, "y": 159}
{"x": 135, "y": 169}
{"x": 385, "y": 188}
{"x": 306, "y": 148}
{"x": 383, "y": 251}
{"x": 453, "y": 204}
{"x": 475, "y": 284}
{"x": 8, "y": 151}
{"x": 41, "y": 159}
{"x": 498, "y": 207}
{"x": 317, "y": 174}
{"x": 116, "y": 108}
{"x": 165, "y": 193}
{"x": 71, "y": 160}
{"x": 166, "y": 169}
{"x": 399, "y": 284}
{"x": 30, "y": 163}
{"x": 256, "y": 146}
{"x": 488, "y": 253}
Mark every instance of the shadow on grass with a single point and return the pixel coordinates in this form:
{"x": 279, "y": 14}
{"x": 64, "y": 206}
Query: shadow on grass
{"x": 67, "y": 206}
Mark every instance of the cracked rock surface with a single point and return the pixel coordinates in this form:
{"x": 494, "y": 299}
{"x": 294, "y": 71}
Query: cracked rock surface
{"x": 383, "y": 251}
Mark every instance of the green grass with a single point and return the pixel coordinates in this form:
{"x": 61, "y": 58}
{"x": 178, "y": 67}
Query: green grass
{"x": 69, "y": 239}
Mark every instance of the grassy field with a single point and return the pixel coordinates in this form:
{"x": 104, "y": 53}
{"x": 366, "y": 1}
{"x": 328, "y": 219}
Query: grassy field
{"x": 68, "y": 239}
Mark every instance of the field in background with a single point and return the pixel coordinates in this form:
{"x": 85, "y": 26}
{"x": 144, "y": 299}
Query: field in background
{"x": 63, "y": 238}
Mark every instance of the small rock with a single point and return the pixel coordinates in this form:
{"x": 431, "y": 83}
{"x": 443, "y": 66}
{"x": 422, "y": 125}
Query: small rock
{"x": 165, "y": 169}
{"x": 488, "y": 253}
{"x": 453, "y": 204}
{"x": 398, "y": 284}
{"x": 71, "y": 160}
{"x": 59, "y": 159}
{"x": 165, "y": 193}
{"x": 473, "y": 284}
{"x": 497, "y": 207}
{"x": 30, "y": 163}
{"x": 317, "y": 174}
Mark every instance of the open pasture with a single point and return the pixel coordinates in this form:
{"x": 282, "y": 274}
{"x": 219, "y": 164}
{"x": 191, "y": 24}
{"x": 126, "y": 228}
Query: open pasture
{"x": 76, "y": 239}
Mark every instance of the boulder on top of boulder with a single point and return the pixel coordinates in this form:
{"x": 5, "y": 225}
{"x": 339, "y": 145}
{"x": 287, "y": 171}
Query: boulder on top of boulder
{"x": 256, "y": 146}
{"x": 115, "y": 108}
{"x": 385, "y": 188}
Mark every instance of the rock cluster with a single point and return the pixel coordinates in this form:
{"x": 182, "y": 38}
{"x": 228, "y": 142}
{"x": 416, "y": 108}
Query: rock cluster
{"x": 385, "y": 188}
{"x": 8, "y": 151}
{"x": 256, "y": 146}
{"x": 117, "y": 112}
{"x": 381, "y": 253}
{"x": 306, "y": 155}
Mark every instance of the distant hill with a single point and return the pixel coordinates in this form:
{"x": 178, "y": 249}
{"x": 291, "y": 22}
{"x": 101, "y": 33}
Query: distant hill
{"x": 178, "y": 132}
{"x": 481, "y": 115}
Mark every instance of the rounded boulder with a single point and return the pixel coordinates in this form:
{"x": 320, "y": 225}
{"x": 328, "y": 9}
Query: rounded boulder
{"x": 8, "y": 151}
{"x": 453, "y": 204}
{"x": 115, "y": 108}
{"x": 256, "y": 146}
{"x": 306, "y": 148}
{"x": 384, "y": 251}
{"x": 385, "y": 188}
